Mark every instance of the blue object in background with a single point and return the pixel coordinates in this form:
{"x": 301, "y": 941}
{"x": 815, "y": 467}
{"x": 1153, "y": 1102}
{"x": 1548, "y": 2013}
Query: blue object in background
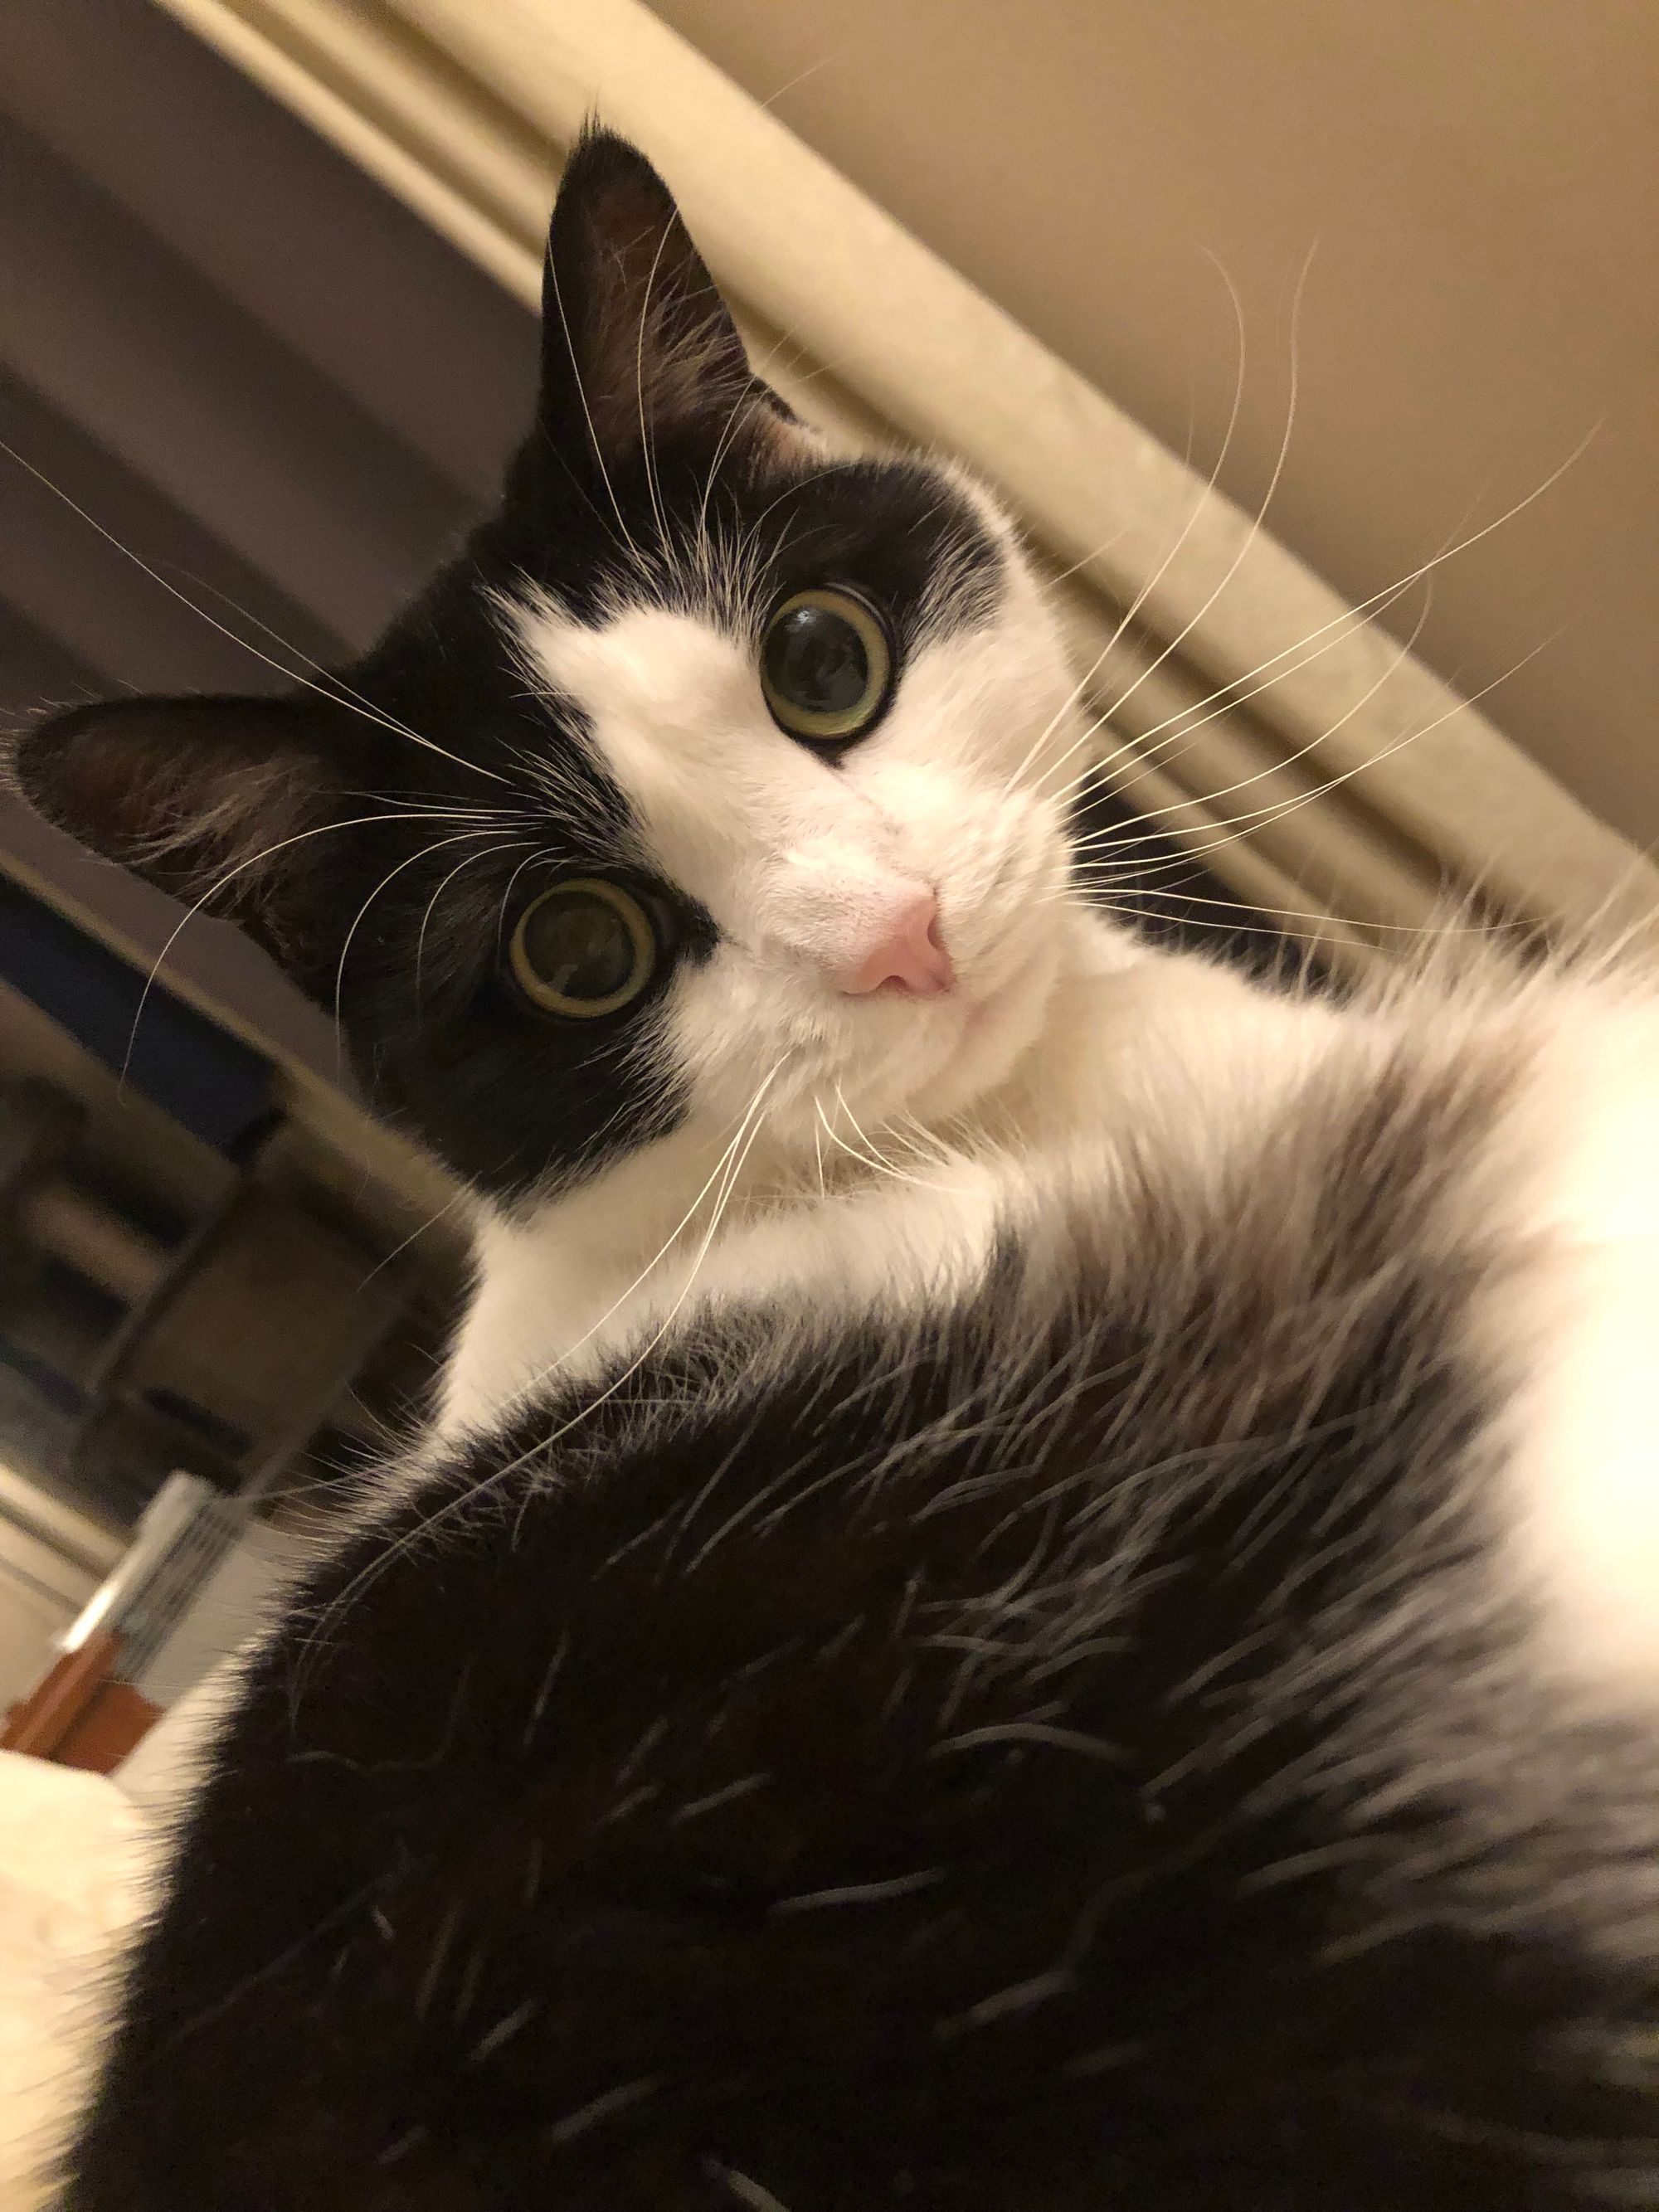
{"x": 209, "y": 1082}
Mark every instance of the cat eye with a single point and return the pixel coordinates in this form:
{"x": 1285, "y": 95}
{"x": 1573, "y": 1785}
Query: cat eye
{"x": 583, "y": 949}
{"x": 826, "y": 665}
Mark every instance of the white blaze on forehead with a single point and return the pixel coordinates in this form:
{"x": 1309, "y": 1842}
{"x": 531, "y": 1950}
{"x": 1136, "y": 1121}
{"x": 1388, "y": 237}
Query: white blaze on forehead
{"x": 802, "y": 862}
{"x": 677, "y": 721}
{"x": 806, "y": 866}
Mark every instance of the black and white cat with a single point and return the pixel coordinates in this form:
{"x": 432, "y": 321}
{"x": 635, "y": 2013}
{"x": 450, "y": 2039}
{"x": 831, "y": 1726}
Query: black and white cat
{"x": 1037, "y": 1583}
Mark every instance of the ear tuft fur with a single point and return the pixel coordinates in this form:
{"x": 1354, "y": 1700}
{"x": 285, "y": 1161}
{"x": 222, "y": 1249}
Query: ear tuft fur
{"x": 636, "y": 341}
{"x": 204, "y": 797}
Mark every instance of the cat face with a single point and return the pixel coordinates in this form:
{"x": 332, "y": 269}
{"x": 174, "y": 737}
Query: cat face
{"x": 879, "y": 911}
{"x": 719, "y": 775}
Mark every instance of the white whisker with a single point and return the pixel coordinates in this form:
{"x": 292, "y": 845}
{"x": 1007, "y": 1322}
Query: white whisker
{"x": 351, "y": 700}
{"x": 736, "y": 1154}
{"x": 552, "y": 274}
{"x": 746, "y": 2190}
{"x": 1080, "y": 688}
{"x": 1140, "y": 748}
{"x": 1385, "y": 675}
{"x": 647, "y": 453}
{"x": 1258, "y": 818}
{"x": 1260, "y": 516}
{"x": 254, "y": 860}
{"x": 490, "y": 852}
{"x": 424, "y": 853}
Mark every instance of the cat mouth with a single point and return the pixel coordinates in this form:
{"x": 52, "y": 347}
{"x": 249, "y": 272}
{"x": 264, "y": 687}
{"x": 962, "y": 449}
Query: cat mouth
{"x": 981, "y": 998}
{"x": 994, "y": 1024}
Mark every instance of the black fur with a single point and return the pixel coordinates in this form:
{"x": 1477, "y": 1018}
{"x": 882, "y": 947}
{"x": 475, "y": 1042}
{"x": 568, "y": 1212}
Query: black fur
{"x": 359, "y": 786}
{"x": 980, "y": 1766}
{"x": 1064, "y": 1752}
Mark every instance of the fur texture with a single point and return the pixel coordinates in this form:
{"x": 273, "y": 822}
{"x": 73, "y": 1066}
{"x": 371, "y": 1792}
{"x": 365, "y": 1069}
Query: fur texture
{"x": 1076, "y": 1736}
{"x": 1038, "y": 1597}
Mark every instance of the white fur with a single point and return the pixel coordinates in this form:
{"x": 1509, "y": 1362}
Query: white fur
{"x": 853, "y": 1152}
{"x": 1175, "y": 1049}
{"x": 961, "y": 790}
{"x": 845, "y": 1219}
{"x": 1584, "y": 1431}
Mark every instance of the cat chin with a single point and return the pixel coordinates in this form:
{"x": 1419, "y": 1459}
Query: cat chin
{"x": 743, "y": 1032}
{"x": 999, "y": 1032}
{"x": 885, "y": 1060}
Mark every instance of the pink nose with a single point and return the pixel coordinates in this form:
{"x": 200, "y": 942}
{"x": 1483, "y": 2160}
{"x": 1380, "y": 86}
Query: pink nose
{"x": 909, "y": 953}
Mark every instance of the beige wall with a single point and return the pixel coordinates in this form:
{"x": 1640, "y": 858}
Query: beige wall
{"x": 1481, "y": 178}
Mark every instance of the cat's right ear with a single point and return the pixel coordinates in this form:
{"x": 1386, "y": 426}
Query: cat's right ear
{"x": 219, "y": 802}
{"x": 637, "y": 344}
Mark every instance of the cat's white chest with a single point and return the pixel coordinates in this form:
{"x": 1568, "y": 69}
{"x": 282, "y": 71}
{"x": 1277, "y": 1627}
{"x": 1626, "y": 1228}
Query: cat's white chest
{"x": 527, "y": 1316}
{"x": 557, "y": 1302}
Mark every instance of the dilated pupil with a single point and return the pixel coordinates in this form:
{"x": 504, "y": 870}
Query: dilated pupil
{"x": 579, "y": 947}
{"x": 817, "y": 660}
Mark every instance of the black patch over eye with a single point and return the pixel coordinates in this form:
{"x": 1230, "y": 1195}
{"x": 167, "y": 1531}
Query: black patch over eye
{"x": 584, "y": 949}
{"x": 826, "y": 665}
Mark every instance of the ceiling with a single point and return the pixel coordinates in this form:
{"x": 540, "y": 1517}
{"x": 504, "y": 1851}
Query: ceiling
{"x": 1477, "y": 186}
{"x": 250, "y": 401}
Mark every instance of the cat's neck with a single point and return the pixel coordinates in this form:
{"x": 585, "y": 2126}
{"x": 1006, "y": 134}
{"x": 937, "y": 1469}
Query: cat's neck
{"x": 691, "y": 1218}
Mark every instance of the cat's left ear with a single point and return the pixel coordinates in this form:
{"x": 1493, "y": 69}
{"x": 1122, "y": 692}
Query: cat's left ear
{"x": 637, "y": 343}
{"x": 220, "y": 801}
